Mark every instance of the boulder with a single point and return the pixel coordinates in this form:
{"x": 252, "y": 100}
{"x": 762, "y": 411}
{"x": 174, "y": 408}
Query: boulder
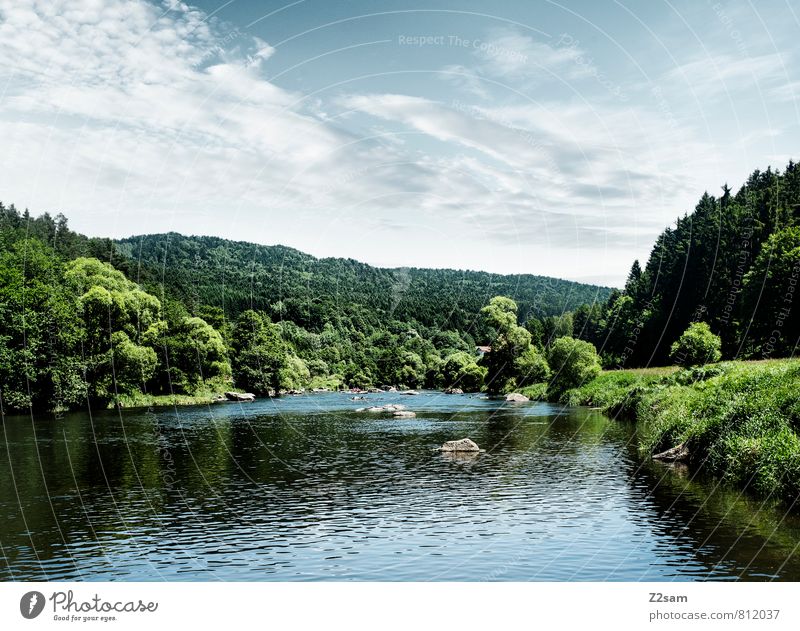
{"x": 464, "y": 444}
{"x": 404, "y": 414}
{"x": 516, "y": 397}
{"x": 409, "y": 392}
{"x": 240, "y": 396}
{"x": 676, "y": 454}
{"x": 453, "y": 391}
{"x": 391, "y": 407}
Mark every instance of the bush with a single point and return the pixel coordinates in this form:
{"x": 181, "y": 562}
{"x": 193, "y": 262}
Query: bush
{"x": 535, "y": 392}
{"x": 697, "y": 345}
{"x": 573, "y": 362}
{"x": 460, "y": 370}
{"x": 531, "y": 368}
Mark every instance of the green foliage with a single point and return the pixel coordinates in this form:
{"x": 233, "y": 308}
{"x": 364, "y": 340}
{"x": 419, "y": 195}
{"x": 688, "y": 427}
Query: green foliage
{"x": 531, "y": 367}
{"x": 237, "y": 276}
{"x": 731, "y": 262}
{"x": 41, "y": 367}
{"x": 295, "y": 374}
{"x": 535, "y": 392}
{"x": 460, "y": 370}
{"x": 573, "y": 362}
{"x": 771, "y": 299}
{"x": 259, "y": 354}
{"x": 133, "y": 365}
{"x": 696, "y": 345}
{"x": 740, "y": 424}
{"x": 740, "y": 420}
{"x": 511, "y": 344}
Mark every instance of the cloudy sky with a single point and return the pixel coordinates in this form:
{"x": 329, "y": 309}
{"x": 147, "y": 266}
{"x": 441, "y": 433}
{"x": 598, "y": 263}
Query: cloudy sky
{"x": 510, "y": 136}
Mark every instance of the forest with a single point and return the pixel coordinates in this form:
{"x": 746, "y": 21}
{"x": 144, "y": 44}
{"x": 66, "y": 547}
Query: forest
{"x": 88, "y": 320}
{"x": 97, "y": 322}
{"x": 733, "y": 263}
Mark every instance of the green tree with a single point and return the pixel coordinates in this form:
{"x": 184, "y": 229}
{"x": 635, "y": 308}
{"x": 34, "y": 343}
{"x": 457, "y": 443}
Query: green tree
{"x": 573, "y": 363}
{"x": 40, "y": 332}
{"x": 697, "y": 345}
{"x": 509, "y": 343}
{"x": 116, "y": 313}
{"x": 531, "y": 367}
{"x": 460, "y": 370}
{"x": 259, "y": 354}
{"x": 771, "y": 298}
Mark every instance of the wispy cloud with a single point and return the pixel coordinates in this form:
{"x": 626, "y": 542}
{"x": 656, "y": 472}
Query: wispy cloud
{"x": 131, "y": 116}
{"x": 719, "y": 74}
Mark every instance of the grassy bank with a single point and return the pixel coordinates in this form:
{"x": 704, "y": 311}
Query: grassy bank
{"x": 738, "y": 420}
{"x": 200, "y": 396}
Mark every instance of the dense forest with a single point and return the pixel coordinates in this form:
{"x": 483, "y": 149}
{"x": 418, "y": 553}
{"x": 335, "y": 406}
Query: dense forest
{"x": 95, "y": 320}
{"x": 86, "y": 320}
{"x": 733, "y": 263}
{"x": 290, "y": 285}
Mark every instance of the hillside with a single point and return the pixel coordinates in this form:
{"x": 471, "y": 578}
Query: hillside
{"x": 291, "y": 285}
{"x": 733, "y": 262}
{"x": 86, "y": 319}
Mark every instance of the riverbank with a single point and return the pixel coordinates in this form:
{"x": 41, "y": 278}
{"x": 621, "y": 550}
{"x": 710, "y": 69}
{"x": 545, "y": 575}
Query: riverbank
{"x": 145, "y": 400}
{"x": 737, "y": 420}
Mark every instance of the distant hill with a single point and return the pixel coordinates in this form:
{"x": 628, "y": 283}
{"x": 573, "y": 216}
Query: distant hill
{"x": 289, "y": 284}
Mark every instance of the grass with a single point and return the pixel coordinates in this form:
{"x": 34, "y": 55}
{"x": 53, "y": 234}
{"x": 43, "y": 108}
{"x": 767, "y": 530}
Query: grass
{"x": 202, "y": 394}
{"x": 535, "y": 392}
{"x": 740, "y": 420}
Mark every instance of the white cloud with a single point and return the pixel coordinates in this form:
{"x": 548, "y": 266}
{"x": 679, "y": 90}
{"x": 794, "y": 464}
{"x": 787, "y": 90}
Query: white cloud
{"x": 133, "y": 118}
{"x": 510, "y": 54}
{"x": 717, "y": 74}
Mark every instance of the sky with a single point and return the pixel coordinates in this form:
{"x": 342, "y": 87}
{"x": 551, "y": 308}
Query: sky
{"x": 553, "y": 138}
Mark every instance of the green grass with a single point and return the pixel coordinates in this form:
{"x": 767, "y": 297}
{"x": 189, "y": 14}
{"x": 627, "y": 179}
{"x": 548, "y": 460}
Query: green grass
{"x": 204, "y": 393}
{"x": 535, "y": 392}
{"x": 740, "y": 420}
{"x": 618, "y": 391}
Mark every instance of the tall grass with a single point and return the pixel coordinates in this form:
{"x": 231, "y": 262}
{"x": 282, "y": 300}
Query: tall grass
{"x": 740, "y": 420}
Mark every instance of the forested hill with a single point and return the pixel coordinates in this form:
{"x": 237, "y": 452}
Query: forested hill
{"x": 291, "y": 285}
{"x": 733, "y": 263}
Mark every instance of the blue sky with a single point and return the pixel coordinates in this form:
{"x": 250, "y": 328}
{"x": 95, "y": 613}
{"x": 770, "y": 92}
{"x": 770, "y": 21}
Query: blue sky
{"x": 539, "y": 137}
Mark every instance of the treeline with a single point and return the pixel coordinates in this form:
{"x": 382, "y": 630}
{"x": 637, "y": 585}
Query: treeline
{"x": 733, "y": 263}
{"x": 83, "y": 322}
{"x": 290, "y": 285}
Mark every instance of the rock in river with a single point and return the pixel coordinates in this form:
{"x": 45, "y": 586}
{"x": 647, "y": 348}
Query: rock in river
{"x": 465, "y": 444}
{"x": 516, "y": 397}
{"x": 404, "y": 414}
{"x": 240, "y": 396}
{"x": 391, "y": 407}
{"x": 676, "y": 454}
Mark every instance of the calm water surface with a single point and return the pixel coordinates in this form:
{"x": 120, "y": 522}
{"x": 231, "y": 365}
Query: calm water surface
{"x": 303, "y": 488}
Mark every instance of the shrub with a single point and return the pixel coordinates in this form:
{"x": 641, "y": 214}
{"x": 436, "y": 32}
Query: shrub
{"x": 697, "y": 345}
{"x": 535, "y": 392}
{"x": 573, "y": 362}
{"x": 459, "y": 370}
{"x": 531, "y": 367}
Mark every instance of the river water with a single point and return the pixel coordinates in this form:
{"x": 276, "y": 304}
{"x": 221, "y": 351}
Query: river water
{"x": 304, "y": 488}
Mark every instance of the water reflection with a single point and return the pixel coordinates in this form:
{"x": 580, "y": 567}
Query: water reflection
{"x": 303, "y": 488}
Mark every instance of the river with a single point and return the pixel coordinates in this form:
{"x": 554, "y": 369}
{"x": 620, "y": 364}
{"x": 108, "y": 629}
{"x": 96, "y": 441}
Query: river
{"x": 304, "y": 488}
